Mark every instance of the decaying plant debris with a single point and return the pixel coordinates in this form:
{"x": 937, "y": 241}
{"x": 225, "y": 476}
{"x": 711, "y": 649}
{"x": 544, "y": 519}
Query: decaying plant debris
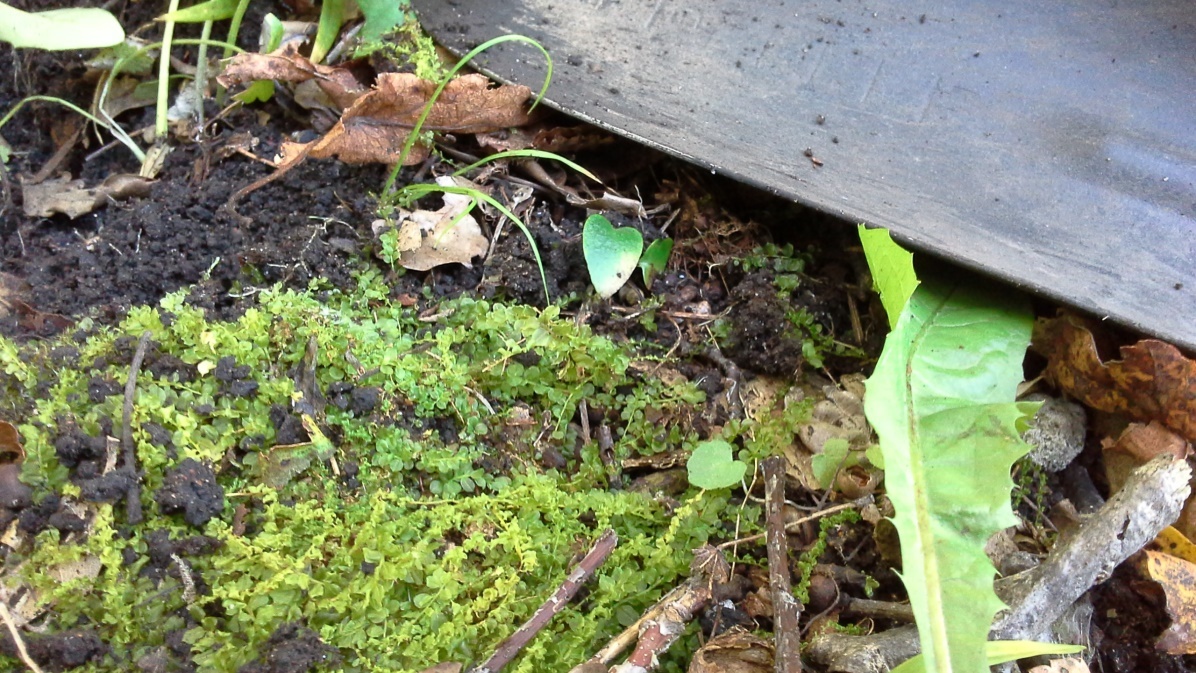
{"x": 320, "y": 437}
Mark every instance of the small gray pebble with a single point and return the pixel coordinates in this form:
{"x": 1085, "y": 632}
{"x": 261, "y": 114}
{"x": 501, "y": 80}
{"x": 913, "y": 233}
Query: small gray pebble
{"x": 1057, "y": 432}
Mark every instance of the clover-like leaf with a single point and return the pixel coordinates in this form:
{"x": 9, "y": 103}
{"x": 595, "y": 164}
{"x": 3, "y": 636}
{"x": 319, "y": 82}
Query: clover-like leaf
{"x": 712, "y": 466}
{"x": 611, "y": 254}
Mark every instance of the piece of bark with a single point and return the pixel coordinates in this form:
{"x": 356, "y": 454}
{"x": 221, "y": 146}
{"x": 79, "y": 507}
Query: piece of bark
{"x": 786, "y": 634}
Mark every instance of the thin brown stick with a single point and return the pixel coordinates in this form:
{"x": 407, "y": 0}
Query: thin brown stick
{"x": 16, "y": 638}
{"x": 621, "y": 642}
{"x": 658, "y": 634}
{"x": 510, "y": 647}
{"x": 786, "y": 634}
{"x": 133, "y": 495}
{"x": 859, "y": 502}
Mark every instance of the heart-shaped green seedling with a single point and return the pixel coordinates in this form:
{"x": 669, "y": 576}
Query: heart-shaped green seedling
{"x": 655, "y": 258}
{"x": 611, "y": 254}
{"x": 712, "y": 466}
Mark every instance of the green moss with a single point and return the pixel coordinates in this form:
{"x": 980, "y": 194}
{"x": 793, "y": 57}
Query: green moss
{"x": 408, "y": 47}
{"x": 454, "y": 533}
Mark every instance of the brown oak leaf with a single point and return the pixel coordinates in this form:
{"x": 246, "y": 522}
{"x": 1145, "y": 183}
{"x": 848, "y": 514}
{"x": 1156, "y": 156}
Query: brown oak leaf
{"x": 1152, "y": 381}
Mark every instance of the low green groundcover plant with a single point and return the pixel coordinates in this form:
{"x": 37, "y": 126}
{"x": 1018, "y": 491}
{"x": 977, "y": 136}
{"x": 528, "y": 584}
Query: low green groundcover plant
{"x": 455, "y": 529}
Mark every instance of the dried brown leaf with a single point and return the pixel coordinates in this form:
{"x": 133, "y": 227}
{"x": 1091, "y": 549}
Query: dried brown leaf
{"x": 1152, "y": 382}
{"x": 428, "y": 238}
{"x": 129, "y": 93}
{"x": 1136, "y": 446}
{"x": 735, "y": 651}
{"x": 71, "y": 198}
{"x": 1178, "y": 580}
{"x": 11, "y": 450}
{"x": 340, "y": 83}
{"x": 375, "y": 128}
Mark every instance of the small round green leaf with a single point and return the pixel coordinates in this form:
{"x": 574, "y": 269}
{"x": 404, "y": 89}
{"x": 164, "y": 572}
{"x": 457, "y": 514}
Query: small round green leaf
{"x": 611, "y": 254}
{"x": 712, "y": 466}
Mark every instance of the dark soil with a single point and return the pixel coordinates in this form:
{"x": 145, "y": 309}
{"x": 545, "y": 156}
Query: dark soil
{"x": 293, "y": 649}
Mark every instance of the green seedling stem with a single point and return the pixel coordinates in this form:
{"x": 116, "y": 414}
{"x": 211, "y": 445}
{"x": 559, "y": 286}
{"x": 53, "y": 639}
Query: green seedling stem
{"x": 421, "y": 190}
{"x": 161, "y": 127}
{"x": 115, "y": 130}
{"x": 234, "y": 29}
{"x": 419, "y": 123}
{"x": 537, "y": 154}
{"x": 201, "y": 69}
{"x": 110, "y": 124}
{"x": 332, "y": 17}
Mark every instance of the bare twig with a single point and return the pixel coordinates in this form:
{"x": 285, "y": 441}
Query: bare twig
{"x": 510, "y": 647}
{"x": 658, "y": 634}
{"x": 621, "y": 642}
{"x": 859, "y": 502}
{"x": 786, "y": 634}
{"x": 16, "y": 638}
{"x": 731, "y": 371}
{"x": 133, "y": 495}
{"x": 664, "y": 622}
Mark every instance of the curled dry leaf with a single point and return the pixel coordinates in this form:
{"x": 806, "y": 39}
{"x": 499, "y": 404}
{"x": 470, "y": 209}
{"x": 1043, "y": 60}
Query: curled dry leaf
{"x": 1153, "y": 381}
{"x": 735, "y": 651}
{"x": 428, "y": 238}
{"x": 1178, "y": 580}
{"x": 11, "y": 450}
{"x": 71, "y": 198}
{"x": 375, "y": 128}
{"x": 339, "y": 83}
{"x": 1138, "y": 445}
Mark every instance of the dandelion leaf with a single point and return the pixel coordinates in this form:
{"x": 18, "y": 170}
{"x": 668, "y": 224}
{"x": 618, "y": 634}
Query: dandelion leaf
{"x": 942, "y": 402}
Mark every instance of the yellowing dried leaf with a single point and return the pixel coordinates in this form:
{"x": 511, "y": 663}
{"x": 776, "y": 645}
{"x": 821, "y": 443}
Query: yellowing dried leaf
{"x": 1176, "y": 544}
{"x": 1178, "y": 580}
{"x": 1152, "y": 382}
{"x": 71, "y": 198}
{"x": 450, "y": 235}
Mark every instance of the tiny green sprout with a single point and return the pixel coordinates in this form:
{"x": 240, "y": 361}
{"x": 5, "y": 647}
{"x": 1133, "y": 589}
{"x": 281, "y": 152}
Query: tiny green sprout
{"x": 60, "y": 29}
{"x": 655, "y": 258}
{"x": 712, "y": 466}
{"x": 611, "y": 254}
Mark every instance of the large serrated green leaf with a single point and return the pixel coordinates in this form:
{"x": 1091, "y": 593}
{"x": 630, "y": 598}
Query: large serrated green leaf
{"x": 942, "y": 402}
{"x": 892, "y": 270}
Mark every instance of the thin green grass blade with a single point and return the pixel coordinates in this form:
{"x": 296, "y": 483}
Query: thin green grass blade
{"x": 530, "y": 153}
{"x": 999, "y": 652}
{"x": 942, "y": 402}
{"x": 423, "y": 117}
